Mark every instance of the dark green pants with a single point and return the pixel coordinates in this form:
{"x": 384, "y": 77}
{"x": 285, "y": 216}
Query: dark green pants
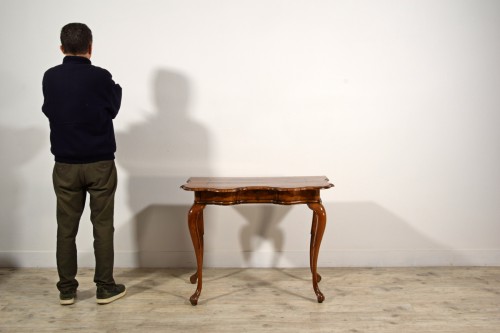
{"x": 72, "y": 182}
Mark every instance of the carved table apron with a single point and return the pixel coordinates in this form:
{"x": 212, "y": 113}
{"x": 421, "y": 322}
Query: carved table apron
{"x": 275, "y": 190}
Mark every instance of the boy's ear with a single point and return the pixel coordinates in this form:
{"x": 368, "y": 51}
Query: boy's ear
{"x": 62, "y": 49}
{"x": 90, "y": 49}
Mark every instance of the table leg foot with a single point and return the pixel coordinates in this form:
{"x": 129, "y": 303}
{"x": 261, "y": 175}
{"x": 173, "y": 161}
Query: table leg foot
{"x": 194, "y": 298}
{"x": 320, "y": 296}
{"x": 194, "y": 278}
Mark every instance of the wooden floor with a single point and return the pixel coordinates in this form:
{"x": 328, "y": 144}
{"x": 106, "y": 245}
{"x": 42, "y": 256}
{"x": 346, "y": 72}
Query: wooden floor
{"x": 260, "y": 300}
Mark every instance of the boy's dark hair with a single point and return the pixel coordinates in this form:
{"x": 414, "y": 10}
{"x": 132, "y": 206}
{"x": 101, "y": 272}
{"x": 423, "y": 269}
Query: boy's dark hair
{"x": 76, "y": 38}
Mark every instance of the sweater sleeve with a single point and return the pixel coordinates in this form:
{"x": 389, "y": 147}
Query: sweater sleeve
{"x": 44, "y": 108}
{"x": 115, "y": 97}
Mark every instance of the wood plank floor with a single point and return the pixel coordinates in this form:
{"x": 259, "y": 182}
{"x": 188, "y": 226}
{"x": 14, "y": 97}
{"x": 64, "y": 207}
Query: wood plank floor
{"x": 437, "y": 299}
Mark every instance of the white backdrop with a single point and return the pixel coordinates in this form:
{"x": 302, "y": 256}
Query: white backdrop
{"x": 397, "y": 102}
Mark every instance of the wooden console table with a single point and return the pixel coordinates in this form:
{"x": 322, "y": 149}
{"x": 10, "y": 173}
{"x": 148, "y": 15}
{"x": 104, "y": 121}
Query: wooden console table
{"x": 233, "y": 191}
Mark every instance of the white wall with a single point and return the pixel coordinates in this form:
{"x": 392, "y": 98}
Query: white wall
{"x": 397, "y": 102}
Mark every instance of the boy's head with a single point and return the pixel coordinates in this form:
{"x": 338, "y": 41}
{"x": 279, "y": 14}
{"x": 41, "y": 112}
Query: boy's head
{"x": 76, "y": 39}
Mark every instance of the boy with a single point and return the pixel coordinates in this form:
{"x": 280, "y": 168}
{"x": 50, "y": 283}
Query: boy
{"x": 81, "y": 101}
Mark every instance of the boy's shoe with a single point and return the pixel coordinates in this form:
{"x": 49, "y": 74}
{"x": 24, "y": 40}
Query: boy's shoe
{"x": 67, "y": 297}
{"x": 110, "y": 294}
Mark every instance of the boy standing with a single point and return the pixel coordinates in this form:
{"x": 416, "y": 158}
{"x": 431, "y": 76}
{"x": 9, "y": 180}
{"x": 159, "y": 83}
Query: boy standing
{"x": 81, "y": 101}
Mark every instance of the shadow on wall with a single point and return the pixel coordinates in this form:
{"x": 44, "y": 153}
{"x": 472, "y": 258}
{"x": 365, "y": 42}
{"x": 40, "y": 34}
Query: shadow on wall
{"x": 162, "y": 152}
{"x": 262, "y": 226}
{"x": 367, "y": 234}
{"x": 357, "y": 234}
{"x": 17, "y": 147}
{"x": 163, "y": 237}
{"x": 159, "y": 155}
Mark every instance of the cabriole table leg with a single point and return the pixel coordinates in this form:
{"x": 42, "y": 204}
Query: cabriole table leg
{"x": 317, "y": 231}
{"x": 196, "y": 229}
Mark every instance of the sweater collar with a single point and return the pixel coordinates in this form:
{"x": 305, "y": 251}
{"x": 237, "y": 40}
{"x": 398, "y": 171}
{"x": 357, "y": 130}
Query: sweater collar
{"x": 76, "y": 60}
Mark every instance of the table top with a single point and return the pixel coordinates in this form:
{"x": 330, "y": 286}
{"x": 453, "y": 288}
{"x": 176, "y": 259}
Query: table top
{"x": 233, "y": 184}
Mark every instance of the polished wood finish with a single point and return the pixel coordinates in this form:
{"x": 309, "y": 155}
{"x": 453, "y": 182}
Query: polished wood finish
{"x": 273, "y": 190}
{"x": 362, "y": 300}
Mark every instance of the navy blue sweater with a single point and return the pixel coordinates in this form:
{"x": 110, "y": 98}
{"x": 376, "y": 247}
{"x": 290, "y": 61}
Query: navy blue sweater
{"x": 81, "y": 101}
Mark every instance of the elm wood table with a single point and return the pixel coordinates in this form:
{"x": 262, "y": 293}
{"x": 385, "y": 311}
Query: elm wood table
{"x": 233, "y": 191}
